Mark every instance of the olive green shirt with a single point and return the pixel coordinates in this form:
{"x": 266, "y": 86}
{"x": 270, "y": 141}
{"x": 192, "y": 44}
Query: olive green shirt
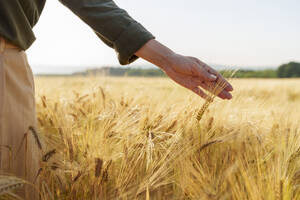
{"x": 112, "y": 24}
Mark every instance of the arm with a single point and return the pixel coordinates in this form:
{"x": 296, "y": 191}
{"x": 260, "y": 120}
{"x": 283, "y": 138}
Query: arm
{"x": 131, "y": 40}
{"x": 189, "y": 72}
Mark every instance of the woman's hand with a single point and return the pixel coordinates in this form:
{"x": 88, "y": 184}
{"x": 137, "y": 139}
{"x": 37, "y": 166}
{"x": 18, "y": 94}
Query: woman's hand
{"x": 188, "y": 72}
{"x": 192, "y": 74}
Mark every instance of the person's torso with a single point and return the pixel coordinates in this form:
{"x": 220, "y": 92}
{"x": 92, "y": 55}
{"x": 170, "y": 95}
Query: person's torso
{"x": 17, "y": 18}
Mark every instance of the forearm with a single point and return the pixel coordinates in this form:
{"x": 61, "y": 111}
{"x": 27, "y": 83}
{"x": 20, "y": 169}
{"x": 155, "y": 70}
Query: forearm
{"x": 156, "y": 53}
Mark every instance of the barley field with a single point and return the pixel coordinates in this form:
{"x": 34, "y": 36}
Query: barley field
{"x": 142, "y": 138}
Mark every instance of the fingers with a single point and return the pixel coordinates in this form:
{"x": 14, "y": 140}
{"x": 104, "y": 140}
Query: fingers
{"x": 204, "y": 74}
{"x": 192, "y": 82}
{"x": 228, "y": 87}
{"x": 200, "y": 93}
{"x": 187, "y": 82}
{"x": 212, "y": 87}
{"x": 223, "y": 94}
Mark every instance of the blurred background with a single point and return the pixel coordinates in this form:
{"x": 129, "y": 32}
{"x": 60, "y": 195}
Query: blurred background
{"x": 252, "y": 35}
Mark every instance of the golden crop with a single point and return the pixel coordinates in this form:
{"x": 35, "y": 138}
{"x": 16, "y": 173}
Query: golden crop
{"x": 139, "y": 138}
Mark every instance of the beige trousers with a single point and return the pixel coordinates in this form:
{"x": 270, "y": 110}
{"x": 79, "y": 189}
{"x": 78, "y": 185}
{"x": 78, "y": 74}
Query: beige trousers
{"x": 18, "y": 146}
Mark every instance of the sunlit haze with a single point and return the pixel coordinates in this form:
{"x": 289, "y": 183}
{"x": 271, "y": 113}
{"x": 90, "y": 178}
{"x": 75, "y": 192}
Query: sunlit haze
{"x": 231, "y": 33}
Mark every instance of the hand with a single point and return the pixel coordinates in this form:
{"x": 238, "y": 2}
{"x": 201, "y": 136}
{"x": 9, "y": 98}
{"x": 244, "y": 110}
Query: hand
{"x": 192, "y": 73}
{"x": 189, "y": 72}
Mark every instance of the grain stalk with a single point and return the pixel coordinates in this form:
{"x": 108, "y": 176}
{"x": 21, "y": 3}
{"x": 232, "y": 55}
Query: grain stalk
{"x": 214, "y": 90}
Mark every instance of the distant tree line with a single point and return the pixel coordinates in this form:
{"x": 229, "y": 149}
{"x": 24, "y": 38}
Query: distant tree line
{"x": 288, "y": 70}
{"x": 268, "y": 73}
{"x": 291, "y": 69}
{"x": 123, "y": 71}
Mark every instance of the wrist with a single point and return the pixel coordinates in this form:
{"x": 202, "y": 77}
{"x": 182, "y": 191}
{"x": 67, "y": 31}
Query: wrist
{"x": 157, "y": 54}
{"x": 168, "y": 60}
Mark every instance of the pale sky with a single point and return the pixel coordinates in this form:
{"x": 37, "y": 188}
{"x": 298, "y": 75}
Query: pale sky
{"x": 231, "y": 32}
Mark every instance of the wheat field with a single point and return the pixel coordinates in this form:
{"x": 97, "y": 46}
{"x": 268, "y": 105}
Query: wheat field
{"x": 139, "y": 138}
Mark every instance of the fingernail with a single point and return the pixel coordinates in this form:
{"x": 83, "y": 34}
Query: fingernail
{"x": 212, "y": 76}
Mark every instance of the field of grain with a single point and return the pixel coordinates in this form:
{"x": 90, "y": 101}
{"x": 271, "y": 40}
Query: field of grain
{"x": 139, "y": 138}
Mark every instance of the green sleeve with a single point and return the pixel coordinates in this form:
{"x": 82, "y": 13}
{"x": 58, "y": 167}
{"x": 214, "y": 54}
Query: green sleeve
{"x": 113, "y": 26}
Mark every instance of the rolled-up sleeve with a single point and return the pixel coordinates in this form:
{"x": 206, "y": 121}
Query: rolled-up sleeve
{"x": 113, "y": 26}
